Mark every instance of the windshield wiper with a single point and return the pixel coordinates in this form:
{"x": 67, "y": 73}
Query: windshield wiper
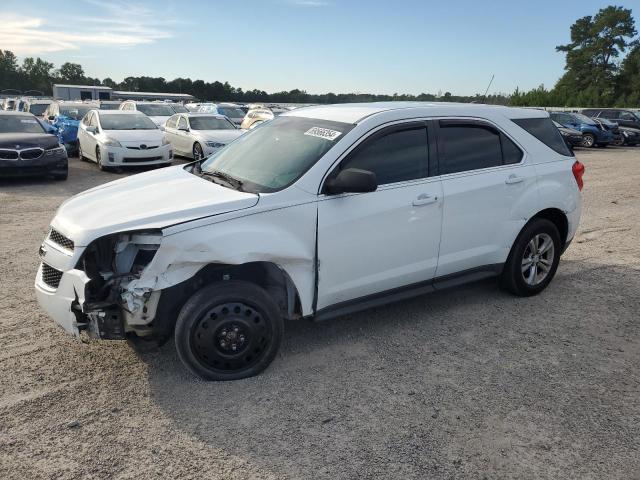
{"x": 234, "y": 182}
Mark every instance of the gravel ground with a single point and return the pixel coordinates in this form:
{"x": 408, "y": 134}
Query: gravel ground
{"x": 467, "y": 383}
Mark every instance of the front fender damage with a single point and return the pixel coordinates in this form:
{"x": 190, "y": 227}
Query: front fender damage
{"x": 136, "y": 294}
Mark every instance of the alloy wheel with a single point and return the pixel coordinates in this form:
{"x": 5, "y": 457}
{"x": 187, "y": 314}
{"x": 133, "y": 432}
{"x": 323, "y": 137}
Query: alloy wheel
{"x": 537, "y": 259}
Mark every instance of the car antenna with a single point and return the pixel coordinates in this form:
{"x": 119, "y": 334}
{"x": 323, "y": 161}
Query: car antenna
{"x": 484, "y": 97}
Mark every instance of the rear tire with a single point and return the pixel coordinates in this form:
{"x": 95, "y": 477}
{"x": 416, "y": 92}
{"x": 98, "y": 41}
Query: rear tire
{"x": 228, "y": 330}
{"x": 533, "y": 260}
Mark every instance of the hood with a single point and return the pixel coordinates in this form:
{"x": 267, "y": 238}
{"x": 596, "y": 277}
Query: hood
{"x": 570, "y": 131}
{"x": 149, "y": 200}
{"x": 20, "y": 141}
{"x": 159, "y": 120}
{"x": 222, "y": 136}
{"x": 149, "y": 136}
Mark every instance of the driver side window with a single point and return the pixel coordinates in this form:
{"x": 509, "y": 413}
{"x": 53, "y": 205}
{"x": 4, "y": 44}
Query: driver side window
{"x": 397, "y": 154}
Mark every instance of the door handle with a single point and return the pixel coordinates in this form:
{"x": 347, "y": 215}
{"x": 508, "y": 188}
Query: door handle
{"x": 424, "y": 199}
{"x": 513, "y": 178}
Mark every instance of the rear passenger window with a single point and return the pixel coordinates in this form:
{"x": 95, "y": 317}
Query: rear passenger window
{"x": 474, "y": 146}
{"x": 545, "y": 131}
{"x": 397, "y": 156}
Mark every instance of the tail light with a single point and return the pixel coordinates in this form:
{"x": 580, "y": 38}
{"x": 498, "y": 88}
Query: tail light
{"x": 578, "y": 172}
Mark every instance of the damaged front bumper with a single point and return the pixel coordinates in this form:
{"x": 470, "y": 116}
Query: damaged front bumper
{"x": 64, "y": 303}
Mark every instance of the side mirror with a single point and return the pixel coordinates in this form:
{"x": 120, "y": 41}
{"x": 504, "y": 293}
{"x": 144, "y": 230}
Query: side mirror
{"x": 51, "y": 117}
{"x": 352, "y": 180}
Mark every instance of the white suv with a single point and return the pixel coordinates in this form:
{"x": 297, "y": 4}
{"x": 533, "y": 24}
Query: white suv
{"x": 320, "y": 212}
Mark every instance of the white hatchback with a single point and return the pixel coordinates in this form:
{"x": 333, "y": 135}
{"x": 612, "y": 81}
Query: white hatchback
{"x": 117, "y": 138}
{"x": 320, "y": 212}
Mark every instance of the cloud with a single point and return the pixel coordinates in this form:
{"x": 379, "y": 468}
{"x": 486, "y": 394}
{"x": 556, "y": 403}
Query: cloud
{"x": 118, "y": 25}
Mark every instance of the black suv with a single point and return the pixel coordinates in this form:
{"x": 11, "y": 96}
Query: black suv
{"x": 624, "y": 118}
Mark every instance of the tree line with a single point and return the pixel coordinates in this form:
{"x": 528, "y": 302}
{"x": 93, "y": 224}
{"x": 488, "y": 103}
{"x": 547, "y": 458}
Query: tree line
{"x": 594, "y": 75}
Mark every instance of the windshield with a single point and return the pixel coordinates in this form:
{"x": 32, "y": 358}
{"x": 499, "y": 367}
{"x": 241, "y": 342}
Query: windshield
{"x": 275, "y": 155}
{"x": 179, "y": 109}
{"x": 231, "y": 112}
{"x": 38, "y": 108}
{"x": 584, "y": 119}
{"x": 75, "y": 112}
{"x": 158, "y": 110}
{"x": 20, "y": 124}
{"x": 124, "y": 121}
{"x": 210, "y": 123}
{"x": 109, "y": 106}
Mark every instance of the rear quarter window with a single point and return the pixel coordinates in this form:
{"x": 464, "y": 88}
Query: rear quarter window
{"x": 545, "y": 131}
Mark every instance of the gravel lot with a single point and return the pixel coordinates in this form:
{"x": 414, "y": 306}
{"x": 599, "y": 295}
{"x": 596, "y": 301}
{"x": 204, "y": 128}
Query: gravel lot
{"x": 467, "y": 383}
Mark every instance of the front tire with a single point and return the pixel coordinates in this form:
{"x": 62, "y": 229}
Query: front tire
{"x": 228, "y": 331}
{"x": 99, "y": 160}
{"x": 198, "y": 154}
{"x": 533, "y": 259}
{"x": 588, "y": 140}
{"x": 81, "y": 156}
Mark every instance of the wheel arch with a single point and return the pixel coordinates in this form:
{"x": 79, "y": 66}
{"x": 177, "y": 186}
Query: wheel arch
{"x": 267, "y": 275}
{"x": 555, "y": 216}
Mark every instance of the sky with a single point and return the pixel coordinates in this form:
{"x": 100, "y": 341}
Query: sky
{"x": 340, "y": 46}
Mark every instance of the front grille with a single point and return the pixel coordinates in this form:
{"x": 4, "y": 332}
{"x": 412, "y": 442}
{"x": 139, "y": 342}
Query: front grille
{"x": 51, "y": 276}
{"x": 8, "y": 154}
{"x": 140, "y": 160}
{"x": 31, "y": 154}
{"x": 57, "y": 237}
{"x": 148, "y": 147}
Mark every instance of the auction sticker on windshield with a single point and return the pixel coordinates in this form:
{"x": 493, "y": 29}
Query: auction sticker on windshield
{"x": 323, "y": 133}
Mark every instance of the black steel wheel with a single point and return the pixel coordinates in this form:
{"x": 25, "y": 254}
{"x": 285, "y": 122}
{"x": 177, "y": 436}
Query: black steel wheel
{"x": 228, "y": 330}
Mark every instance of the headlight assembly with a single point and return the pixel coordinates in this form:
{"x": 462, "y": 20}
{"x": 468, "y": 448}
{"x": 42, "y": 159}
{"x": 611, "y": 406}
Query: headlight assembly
{"x": 54, "y": 151}
{"x": 111, "y": 142}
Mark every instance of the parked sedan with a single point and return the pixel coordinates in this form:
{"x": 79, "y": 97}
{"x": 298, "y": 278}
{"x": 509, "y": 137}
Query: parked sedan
{"x": 592, "y": 133}
{"x": 27, "y": 149}
{"x": 629, "y": 136}
{"x": 116, "y": 138}
{"x": 198, "y": 135}
{"x": 573, "y": 138}
{"x": 231, "y": 111}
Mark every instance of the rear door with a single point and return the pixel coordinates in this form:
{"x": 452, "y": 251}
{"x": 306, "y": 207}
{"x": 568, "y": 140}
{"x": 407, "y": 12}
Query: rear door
{"x": 373, "y": 242}
{"x": 484, "y": 176}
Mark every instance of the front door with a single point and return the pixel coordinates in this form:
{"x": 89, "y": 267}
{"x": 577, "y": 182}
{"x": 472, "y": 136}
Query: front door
{"x": 374, "y": 242}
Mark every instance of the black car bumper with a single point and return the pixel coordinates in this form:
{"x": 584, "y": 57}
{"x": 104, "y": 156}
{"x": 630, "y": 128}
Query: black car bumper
{"x": 72, "y": 146}
{"x": 573, "y": 140}
{"x": 56, "y": 165}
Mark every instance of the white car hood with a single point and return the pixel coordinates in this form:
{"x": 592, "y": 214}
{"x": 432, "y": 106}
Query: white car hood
{"x": 159, "y": 120}
{"x": 149, "y": 200}
{"x": 223, "y": 136}
{"x": 151, "y": 136}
